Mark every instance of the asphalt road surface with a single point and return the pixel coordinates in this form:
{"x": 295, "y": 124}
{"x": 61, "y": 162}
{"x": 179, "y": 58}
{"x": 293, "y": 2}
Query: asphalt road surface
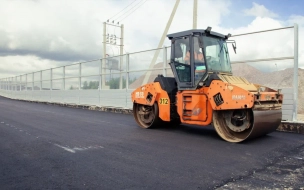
{"x": 53, "y": 147}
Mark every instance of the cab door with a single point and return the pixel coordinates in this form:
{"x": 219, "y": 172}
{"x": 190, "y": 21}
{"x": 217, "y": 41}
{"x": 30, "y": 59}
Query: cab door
{"x": 180, "y": 65}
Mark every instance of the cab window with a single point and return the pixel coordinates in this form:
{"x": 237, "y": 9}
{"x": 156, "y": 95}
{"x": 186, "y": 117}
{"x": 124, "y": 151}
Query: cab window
{"x": 182, "y": 66}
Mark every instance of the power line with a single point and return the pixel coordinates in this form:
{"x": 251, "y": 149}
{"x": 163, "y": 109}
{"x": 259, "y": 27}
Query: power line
{"x": 122, "y": 10}
{"x": 129, "y": 10}
{"x": 133, "y": 11}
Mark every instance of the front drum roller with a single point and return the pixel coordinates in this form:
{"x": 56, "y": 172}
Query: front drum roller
{"x": 146, "y": 116}
{"x": 239, "y": 125}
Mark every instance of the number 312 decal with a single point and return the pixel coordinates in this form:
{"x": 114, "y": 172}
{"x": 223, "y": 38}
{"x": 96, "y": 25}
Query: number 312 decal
{"x": 164, "y": 101}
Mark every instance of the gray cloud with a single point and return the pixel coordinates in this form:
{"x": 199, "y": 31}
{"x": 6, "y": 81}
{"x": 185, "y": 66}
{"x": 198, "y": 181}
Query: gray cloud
{"x": 67, "y": 55}
{"x": 45, "y": 34}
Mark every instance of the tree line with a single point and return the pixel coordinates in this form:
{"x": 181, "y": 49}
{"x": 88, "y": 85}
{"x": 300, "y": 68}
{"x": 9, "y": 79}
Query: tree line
{"x": 113, "y": 83}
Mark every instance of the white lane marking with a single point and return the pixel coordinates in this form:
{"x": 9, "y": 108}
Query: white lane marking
{"x": 73, "y": 150}
{"x": 20, "y": 130}
{"x": 65, "y": 148}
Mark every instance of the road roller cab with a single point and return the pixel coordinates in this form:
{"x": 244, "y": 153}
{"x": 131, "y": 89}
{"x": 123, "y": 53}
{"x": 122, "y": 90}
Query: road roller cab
{"x": 204, "y": 91}
{"x": 197, "y": 54}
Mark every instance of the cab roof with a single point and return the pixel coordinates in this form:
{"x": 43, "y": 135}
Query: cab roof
{"x": 198, "y": 31}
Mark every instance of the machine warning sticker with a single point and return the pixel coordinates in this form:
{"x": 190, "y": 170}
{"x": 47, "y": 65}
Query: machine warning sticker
{"x": 164, "y": 101}
{"x": 139, "y": 94}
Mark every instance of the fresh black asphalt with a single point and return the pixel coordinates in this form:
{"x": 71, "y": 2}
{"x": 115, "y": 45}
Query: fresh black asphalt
{"x": 53, "y": 147}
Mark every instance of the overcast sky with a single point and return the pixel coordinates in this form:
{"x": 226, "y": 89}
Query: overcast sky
{"x": 40, "y": 34}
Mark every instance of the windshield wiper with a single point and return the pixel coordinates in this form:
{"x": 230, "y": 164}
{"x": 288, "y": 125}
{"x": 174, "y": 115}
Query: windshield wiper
{"x": 221, "y": 45}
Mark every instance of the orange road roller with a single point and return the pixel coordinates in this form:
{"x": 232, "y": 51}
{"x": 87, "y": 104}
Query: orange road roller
{"x": 204, "y": 91}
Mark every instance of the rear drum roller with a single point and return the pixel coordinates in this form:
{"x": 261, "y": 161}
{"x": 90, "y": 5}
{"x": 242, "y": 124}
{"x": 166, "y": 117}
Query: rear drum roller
{"x": 146, "y": 116}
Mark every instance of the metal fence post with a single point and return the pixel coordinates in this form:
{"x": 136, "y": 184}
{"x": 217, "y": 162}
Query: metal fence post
{"x": 51, "y": 83}
{"x": 40, "y": 80}
{"x": 164, "y": 61}
{"x": 127, "y": 69}
{"x": 63, "y": 77}
{"x": 295, "y": 74}
{"x": 20, "y": 83}
{"x": 127, "y": 77}
{"x": 79, "y": 83}
{"x": 99, "y": 85}
{"x": 51, "y": 79}
{"x": 103, "y": 72}
{"x": 16, "y": 84}
{"x": 63, "y": 82}
{"x": 79, "y": 77}
{"x": 120, "y": 71}
{"x": 11, "y": 84}
{"x": 26, "y": 83}
{"x": 100, "y": 74}
{"x": 33, "y": 78}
